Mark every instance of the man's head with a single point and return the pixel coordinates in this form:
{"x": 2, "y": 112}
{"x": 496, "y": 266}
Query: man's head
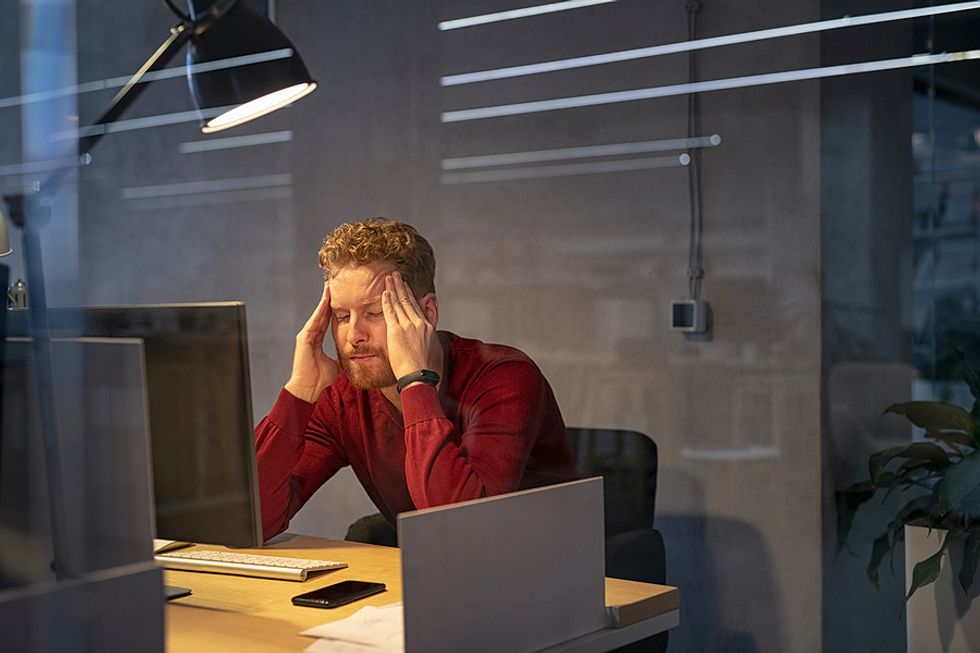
{"x": 376, "y": 239}
{"x": 356, "y": 257}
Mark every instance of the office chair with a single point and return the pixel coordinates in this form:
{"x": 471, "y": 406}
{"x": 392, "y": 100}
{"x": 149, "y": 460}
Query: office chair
{"x": 627, "y": 462}
{"x": 372, "y": 529}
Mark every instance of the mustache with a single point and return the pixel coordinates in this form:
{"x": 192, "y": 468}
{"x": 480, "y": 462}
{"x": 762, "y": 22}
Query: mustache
{"x": 363, "y": 351}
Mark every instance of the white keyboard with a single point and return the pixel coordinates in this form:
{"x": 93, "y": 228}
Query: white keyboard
{"x": 245, "y": 564}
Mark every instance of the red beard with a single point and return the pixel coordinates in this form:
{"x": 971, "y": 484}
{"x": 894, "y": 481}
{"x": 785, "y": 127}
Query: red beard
{"x": 369, "y": 375}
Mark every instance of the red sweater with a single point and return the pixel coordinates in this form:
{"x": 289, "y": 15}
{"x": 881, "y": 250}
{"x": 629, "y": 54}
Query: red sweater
{"x": 492, "y": 427}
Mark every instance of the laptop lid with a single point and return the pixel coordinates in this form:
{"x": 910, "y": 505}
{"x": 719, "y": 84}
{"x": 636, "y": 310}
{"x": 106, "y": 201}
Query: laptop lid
{"x": 514, "y": 572}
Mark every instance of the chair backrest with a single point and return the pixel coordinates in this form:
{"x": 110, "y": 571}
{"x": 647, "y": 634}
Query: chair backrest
{"x": 627, "y": 461}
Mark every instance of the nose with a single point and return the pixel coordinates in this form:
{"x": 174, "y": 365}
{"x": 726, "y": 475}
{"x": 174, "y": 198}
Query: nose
{"x": 357, "y": 333}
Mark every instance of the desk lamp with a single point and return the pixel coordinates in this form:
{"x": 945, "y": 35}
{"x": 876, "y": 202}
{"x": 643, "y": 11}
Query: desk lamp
{"x": 4, "y": 280}
{"x": 4, "y": 238}
{"x": 237, "y": 61}
{"x": 240, "y": 66}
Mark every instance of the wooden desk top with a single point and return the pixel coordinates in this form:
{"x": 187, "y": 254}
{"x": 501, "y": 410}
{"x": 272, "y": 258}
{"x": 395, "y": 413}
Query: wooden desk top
{"x": 242, "y": 614}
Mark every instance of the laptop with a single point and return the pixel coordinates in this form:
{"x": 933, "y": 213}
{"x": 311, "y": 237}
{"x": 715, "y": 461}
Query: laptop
{"x": 514, "y": 572}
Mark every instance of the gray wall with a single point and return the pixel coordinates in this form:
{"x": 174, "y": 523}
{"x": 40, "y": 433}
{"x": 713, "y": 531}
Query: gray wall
{"x": 575, "y": 270}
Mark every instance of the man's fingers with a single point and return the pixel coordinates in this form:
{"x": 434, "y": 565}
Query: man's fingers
{"x": 407, "y": 298}
{"x": 323, "y": 308}
{"x": 319, "y": 320}
{"x": 393, "y": 310}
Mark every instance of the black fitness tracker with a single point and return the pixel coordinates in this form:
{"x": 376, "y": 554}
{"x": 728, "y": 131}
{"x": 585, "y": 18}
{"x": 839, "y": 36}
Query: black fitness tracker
{"x": 425, "y": 376}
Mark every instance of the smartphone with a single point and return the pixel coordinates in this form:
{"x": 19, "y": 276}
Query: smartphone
{"x": 338, "y": 594}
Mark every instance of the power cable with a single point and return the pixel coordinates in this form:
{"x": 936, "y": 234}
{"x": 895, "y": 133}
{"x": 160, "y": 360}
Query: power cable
{"x": 695, "y": 256}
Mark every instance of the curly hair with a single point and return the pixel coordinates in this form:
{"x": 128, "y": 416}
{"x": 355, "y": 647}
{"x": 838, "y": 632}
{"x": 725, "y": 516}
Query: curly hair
{"x": 380, "y": 239}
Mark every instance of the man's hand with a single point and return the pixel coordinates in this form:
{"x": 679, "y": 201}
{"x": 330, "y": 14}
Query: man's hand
{"x": 410, "y": 334}
{"x": 313, "y": 370}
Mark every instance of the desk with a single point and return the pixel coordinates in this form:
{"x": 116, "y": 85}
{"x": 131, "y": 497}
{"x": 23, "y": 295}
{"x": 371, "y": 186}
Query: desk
{"x": 237, "y": 613}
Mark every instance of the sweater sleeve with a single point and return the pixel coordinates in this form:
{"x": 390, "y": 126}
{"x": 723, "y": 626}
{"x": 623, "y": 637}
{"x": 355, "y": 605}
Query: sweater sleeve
{"x": 295, "y": 455}
{"x": 501, "y": 417}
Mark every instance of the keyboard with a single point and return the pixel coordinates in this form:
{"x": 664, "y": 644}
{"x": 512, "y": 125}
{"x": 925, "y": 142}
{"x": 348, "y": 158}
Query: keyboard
{"x": 245, "y": 564}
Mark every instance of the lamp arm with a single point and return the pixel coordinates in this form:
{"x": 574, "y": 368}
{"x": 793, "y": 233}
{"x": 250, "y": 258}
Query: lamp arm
{"x": 179, "y": 34}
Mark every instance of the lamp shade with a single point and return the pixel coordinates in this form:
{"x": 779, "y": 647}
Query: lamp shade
{"x": 276, "y": 77}
{"x": 4, "y": 238}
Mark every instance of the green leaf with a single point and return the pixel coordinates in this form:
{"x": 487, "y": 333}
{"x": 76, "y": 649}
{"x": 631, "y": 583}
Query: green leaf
{"x": 917, "y": 450}
{"x": 953, "y": 438}
{"x": 968, "y": 568}
{"x": 881, "y": 547}
{"x": 934, "y": 415}
{"x": 848, "y": 501}
{"x": 970, "y": 375}
{"x": 895, "y": 533}
{"x": 917, "y": 508}
{"x": 922, "y": 474}
{"x": 881, "y": 458}
{"x": 969, "y": 509}
{"x": 919, "y": 480}
{"x": 959, "y": 482}
{"x": 917, "y": 464}
{"x": 927, "y": 571}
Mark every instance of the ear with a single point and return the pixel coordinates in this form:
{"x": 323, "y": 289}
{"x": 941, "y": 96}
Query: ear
{"x": 430, "y": 308}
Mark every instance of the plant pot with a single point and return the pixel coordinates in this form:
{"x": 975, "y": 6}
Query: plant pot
{"x": 939, "y": 617}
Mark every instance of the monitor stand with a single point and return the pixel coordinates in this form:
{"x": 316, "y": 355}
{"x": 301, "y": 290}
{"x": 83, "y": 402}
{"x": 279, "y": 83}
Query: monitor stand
{"x": 171, "y": 592}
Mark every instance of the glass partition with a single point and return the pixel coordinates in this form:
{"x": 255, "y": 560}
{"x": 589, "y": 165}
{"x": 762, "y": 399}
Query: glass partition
{"x": 808, "y": 169}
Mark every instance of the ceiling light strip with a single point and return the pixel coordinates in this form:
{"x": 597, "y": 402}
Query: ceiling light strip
{"x": 276, "y": 193}
{"x": 208, "y": 145}
{"x": 699, "y": 44}
{"x": 610, "y": 149}
{"x": 207, "y": 66}
{"x": 46, "y": 165}
{"x": 523, "y": 12}
{"x": 564, "y": 170}
{"x": 701, "y": 87}
{"x": 205, "y": 186}
{"x": 140, "y": 123}
{"x": 166, "y": 73}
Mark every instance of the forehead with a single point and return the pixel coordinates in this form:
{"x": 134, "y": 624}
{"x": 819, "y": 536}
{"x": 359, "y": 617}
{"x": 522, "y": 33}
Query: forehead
{"x": 358, "y": 285}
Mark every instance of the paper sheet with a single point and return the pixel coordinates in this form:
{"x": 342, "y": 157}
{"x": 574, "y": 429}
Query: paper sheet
{"x": 369, "y": 629}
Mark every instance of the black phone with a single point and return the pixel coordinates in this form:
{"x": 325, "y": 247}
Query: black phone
{"x": 338, "y": 594}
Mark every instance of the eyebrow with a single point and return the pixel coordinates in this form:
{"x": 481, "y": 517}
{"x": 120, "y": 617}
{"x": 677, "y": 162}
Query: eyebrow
{"x": 367, "y": 302}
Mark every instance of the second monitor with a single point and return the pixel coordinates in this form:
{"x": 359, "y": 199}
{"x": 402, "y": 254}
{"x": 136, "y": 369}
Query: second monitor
{"x": 200, "y": 413}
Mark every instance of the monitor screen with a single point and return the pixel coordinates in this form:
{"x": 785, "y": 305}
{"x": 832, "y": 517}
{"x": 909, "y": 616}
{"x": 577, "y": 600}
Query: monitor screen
{"x": 200, "y": 413}
{"x": 103, "y": 483}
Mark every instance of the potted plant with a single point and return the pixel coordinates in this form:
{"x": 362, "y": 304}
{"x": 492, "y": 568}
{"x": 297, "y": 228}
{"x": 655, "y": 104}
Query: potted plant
{"x": 941, "y": 475}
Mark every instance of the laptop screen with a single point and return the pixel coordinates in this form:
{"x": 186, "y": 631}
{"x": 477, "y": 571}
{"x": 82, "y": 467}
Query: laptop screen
{"x": 514, "y": 572}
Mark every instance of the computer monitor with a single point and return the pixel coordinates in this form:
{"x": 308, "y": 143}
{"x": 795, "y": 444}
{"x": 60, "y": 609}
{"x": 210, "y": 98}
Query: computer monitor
{"x": 200, "y": 413}
{"x": 103, "y": 503}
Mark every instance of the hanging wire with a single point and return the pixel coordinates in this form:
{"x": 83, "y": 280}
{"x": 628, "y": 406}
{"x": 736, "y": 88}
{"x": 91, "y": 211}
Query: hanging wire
{"x": 695, "y": 254}
{"x": 933, "y": 201}
{"x": 186, "y": 18}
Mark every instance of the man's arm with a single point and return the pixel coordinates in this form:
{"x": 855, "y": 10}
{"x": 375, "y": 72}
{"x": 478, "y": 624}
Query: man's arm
{"x": 313, "y": 371}
{"x": 295, "y": 456}
{"x": 502, "y": 421}
{"x": 489, "y": 457}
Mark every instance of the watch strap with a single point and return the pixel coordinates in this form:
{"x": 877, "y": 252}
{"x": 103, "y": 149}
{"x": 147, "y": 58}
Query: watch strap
{"x": 425, "y": 376}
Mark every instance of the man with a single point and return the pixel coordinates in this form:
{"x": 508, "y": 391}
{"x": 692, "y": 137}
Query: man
{"x": 423, "y": 417}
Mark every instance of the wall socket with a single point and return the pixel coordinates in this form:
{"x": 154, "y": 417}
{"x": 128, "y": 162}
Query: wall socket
{"x": 689, "y": 315}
